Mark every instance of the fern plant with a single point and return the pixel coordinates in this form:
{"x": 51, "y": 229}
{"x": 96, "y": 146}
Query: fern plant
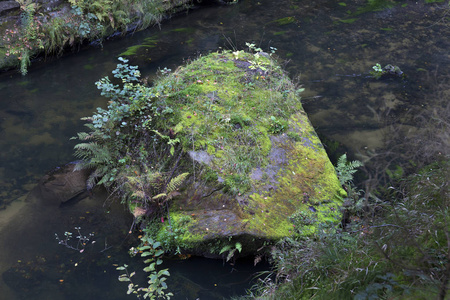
{"x": 116, "y": 147}
{"x": 345, "y": 169}
{"x": 150, "y": 187}
{"x": 231, "y": 250}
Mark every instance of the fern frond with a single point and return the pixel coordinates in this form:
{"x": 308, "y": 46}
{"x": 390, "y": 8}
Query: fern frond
{"x": 230, "y": 254}
{"x": 133, "y": 180}
{"x": 84, "y": 136}
{"x": 345, "y": 169}
{"x": 162, "y": 195}
{"x": 138, "y": 194}
{"x": 176, "y": 182}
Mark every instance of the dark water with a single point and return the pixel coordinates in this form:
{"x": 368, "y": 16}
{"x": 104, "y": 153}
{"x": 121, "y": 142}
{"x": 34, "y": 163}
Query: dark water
{"x": 324, "y": 50}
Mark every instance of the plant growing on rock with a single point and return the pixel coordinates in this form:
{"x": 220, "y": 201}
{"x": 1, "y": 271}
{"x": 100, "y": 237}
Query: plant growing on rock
{"x": 231, "y": 249}
{"x": 388, "y": 70}
{"x": 345, "y": 169}
{"x": 123, "y": 147}
{"x": 25, "y": 40}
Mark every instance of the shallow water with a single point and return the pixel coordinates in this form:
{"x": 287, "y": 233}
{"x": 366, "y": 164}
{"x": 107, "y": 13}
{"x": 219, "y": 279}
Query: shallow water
{"x": 324, "y": 51}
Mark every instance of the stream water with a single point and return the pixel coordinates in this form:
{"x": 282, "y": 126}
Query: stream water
{"x": 328, "y": 47}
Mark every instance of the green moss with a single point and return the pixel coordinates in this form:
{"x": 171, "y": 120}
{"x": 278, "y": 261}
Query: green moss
{"x": 133, "y": 50}
{"x": 284, "y": 21}
{"x": 174, "y": 235}
{"x": 280, "y": 33}
{"x": 184, "y": 30}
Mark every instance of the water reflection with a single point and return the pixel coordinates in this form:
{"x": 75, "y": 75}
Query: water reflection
{"x": 329, "y": 49}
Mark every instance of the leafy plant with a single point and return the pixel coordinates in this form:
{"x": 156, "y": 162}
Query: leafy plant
{"x": 345, "y": 169}
{"x": 377, "y": 71}
{"x": 259, "y": 61}
{"x": 172, "y": 236}
{"x": 126, "y": 147}
{"x": 157, "y": 285}
{"x": 231, "y": 249}
{"x": 277, "y": 126}
{"x": 389, "y": 69}
{"x": 82, "y": 240}
{"x": 27, "y": 39}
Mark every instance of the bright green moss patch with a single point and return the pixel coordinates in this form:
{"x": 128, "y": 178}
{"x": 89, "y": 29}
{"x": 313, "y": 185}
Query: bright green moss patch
{"x": 133, "y": 50}
{"x": 149, "y": 42}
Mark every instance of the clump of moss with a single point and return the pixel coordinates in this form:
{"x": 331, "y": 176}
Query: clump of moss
{"x": 228, "y": 103}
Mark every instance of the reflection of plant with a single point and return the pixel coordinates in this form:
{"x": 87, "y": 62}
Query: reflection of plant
{"x": 156, "y": 279}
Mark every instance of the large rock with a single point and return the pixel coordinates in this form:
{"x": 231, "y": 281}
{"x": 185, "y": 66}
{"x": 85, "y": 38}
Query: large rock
{"x": 62, "y": 186}
{"x": 259, "y": 163}
{"x": 8, "y": 7}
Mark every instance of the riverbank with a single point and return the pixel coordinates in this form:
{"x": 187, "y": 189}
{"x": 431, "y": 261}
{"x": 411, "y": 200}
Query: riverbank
{"x": 34, "y": 30}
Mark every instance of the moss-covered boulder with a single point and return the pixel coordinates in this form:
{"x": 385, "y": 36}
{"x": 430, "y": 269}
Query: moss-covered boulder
{"x": 228, "y": 129}
{"x": 257, "y": 167}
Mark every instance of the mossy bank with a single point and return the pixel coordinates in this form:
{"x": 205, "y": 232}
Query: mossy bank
{"x": 30, "y": 28}
{"x": 234, "y": 122}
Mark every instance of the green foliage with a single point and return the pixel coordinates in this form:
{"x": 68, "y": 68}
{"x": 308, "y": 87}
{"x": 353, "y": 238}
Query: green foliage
{"x": 389, "y": 69}
{"x": 231, "y": 249}
{"x": 377, "y": 71}
{"x": 260, "y": 61}
{"x": 345, "y": 169}
{"x": 157, "y": 285}
{"x": 117, "y": 147}
{"x": 301, "y": 218}
{"x": 382, "y": 285}
{"x": 68, "y": 29}
{"x": 399, "y": 253}
{"x": 172, "y": 236}
{"x": 87, "y": 20}
{"x": 277, "y": 126}
{"x": 236, "y": 184}
{"x": 105, "y": 11}
{"x": 25, "y": 40}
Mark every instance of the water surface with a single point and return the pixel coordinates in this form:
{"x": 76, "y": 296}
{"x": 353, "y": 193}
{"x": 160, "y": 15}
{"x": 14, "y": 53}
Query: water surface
{"x": 328, "y": 48}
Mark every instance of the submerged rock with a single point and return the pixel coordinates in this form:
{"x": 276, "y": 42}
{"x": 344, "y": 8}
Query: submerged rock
{"x": 62, "y": 186}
